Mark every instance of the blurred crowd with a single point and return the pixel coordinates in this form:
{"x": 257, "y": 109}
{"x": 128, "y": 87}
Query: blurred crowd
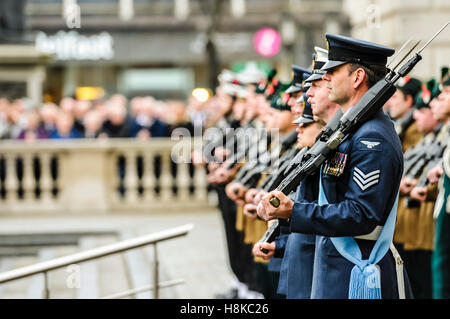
{"x": 115, "y": 117}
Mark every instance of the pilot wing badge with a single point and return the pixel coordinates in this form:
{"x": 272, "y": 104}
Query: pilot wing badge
{"x": 370, "y": 144}
{"x": 366, "y": 180}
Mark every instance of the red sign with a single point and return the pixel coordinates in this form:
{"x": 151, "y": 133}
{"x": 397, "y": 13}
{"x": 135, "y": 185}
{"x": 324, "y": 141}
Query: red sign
{"x": 267, "y": 42}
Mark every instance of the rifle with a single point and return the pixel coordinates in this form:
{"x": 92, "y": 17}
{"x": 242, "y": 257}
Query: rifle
{"x": 431, "y": 160}
{"x": 401, "y": 125}
{"x": 410, "y": 161}
{"x": 285, "y": 159}
{"x": 431, "y": 153}
{"x": 252, "y": 177}
{"x": 249, "y": 148}
{"x": 271, "y": 233}
{"x": 423, "y": 181}
{"x": 227, "y": 126}
{"x": 278, "y": 176}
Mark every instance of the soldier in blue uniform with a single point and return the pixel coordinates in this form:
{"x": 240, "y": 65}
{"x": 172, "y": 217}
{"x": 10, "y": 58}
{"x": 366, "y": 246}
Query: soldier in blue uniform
{"x": 295, "y": 282}
{"x": 359, "y": 188}
{"x": 323, "y": 109}
{"x": 298, "y": 260}
{"x": 296, "y": 89}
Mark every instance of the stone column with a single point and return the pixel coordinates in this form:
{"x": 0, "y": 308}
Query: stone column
{"x": 83, "y": 176}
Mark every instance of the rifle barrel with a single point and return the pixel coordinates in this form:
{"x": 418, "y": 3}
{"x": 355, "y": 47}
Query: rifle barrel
{"x": 434, "y": 36}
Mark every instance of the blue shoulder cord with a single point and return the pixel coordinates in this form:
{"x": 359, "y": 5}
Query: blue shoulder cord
{"x": 365, "y": 279}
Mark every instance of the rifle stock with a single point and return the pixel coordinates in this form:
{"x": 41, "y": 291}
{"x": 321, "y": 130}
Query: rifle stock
{"x": 270, "y": 234}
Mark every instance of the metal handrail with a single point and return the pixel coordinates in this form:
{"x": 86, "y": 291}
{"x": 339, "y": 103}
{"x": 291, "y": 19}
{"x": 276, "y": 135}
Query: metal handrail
{"x": 46, "y": 266}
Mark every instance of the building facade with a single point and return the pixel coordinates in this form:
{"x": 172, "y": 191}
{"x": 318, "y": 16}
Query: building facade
{"x": 167, "y": 48}
{"x": 393, "y": 22}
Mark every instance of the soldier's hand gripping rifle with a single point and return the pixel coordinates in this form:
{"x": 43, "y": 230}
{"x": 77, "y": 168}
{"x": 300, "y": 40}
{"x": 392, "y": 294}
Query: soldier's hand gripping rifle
{"x": 274, "y": 229}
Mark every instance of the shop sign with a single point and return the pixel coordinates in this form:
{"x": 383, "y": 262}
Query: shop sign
{"x": 74, "y": 46}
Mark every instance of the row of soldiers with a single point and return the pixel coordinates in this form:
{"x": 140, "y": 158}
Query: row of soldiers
{"x": 371, "y": 222}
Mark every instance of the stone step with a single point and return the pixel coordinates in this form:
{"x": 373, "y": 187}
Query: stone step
{"x": 103, "y": 276}
{"x": 138, "y": 267}
{"x": 36, "y": 290}
{"x": 53, "y": 238}
{"x": 33, "y": 287}
{"x": 113, "y": 276}
{"x": 89, "y": 282}
{"x": 199, "y": 258}
{"x": 17, "y": 289}
{"x": 6, "y": 263}
{"x": 62, "y": 280}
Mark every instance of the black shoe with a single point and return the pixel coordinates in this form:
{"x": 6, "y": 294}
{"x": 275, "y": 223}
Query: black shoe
{"x": 231, "y": 294}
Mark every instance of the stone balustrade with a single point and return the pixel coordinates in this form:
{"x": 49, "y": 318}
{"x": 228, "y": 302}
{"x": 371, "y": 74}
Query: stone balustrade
{"x": 103, "y": 175}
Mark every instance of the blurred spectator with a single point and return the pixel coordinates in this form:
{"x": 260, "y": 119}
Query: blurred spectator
{"x": 49, "y": 111}
{"x": 17, "y": 117}
{"x": 214, "y": 111}
{"x": 177, "y": 117}
{"x": 34, "y": 129}
{"x": 5, "y": 123}
{"x": 146, "y": 122}
{"x": 118, "y": 123}
{"x": 64, "y": 127}
{"x": 136, "y": 105}
{"x": 93, "y": 122}
{"x": 67, "y": 104}
{"x": 119, "y": 98}
{"x": 81, "y": 108}
{"x": 196, "y": 112}
{"x": 100, "y": 107}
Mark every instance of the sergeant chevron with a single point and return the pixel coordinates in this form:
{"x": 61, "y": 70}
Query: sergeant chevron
{"x": 364, "y": 181}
